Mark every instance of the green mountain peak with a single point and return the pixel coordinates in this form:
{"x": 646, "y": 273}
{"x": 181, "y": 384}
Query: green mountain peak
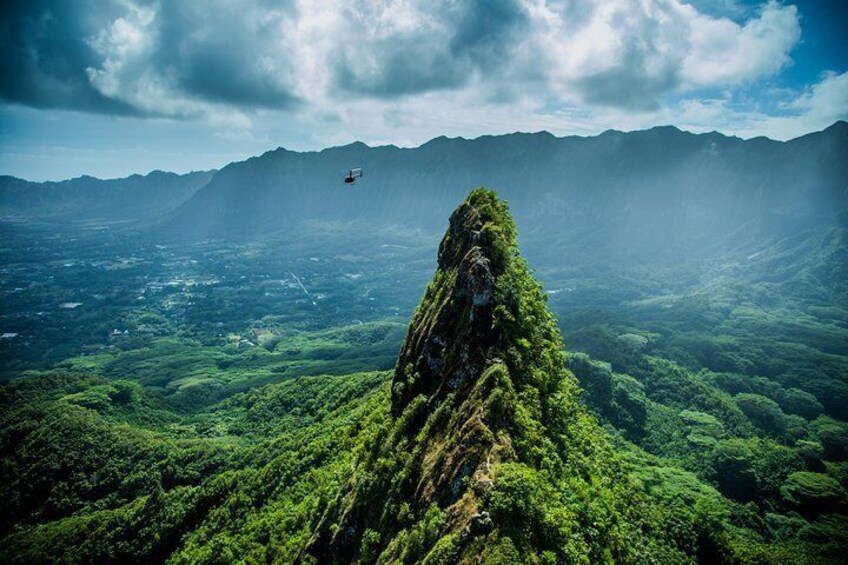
{"x": 471, "y": 314}
{"x": 488, "y": 452}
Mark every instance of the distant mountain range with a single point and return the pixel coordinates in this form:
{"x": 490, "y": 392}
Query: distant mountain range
{"x": 135, "y": 198}
{"x": 659, "y": 192}
{"x": 656, "y": 180}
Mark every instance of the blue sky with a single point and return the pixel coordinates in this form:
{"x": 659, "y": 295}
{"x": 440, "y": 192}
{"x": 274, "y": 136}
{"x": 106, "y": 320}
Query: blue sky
{"x": 114, "y": 87}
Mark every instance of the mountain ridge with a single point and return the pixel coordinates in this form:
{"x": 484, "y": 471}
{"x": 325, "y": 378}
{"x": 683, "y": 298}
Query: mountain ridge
{"x": 136, "y": 198}
{"x": 837, "y": 125}
{"x": 657, "y": 193}
{"x": 661, "y": 194}
{"x": 488, "y": 453}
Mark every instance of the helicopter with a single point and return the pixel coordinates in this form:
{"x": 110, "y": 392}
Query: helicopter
{"x": 352, "y": 175}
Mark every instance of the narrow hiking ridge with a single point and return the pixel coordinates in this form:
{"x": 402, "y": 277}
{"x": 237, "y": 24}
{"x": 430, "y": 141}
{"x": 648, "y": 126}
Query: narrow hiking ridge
{"x": 490, "y": 454}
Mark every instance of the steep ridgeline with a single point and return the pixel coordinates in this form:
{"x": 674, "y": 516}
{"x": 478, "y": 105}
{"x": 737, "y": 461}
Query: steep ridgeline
{"x": 489, "y": 455}
{"x": 135, "y": 198}
{"x": 641, "y": 195}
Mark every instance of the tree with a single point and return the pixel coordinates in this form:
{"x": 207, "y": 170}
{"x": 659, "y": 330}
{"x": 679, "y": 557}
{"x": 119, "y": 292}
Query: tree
{"x": 796, "y": 401}
{"x": 763, "y": 413}
{"x": 813, "y": 493}
{"x": 733, "y": 463}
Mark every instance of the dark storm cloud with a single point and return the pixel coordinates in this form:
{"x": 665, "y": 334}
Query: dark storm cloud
{"x": 208, "y": 51}
{"x": 458, "y": 40}
{"x": 647, "y": 67}
{"x": 219, "y": 58}
{"x": 60, "y": 54}
{"x": 488, "y": 30}
{"x": 45, "y": 54}
{"x": 630, "y": 85}
{"x": 218, "y": 52}
{"x": 627, "y": 90}
{"x": 408, "y": 67}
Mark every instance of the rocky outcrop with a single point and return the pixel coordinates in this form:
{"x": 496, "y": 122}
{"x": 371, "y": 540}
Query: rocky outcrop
{"x": 448, "y": 367}
{"x": 486, "y": 450}
{"x": 451, "y": 335}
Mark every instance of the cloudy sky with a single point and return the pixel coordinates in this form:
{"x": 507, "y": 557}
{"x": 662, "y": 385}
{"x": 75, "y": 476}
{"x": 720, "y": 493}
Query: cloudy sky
{"x": 112, "y": 87}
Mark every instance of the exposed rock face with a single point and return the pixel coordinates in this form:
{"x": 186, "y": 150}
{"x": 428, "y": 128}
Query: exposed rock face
{"x": 481, "y": 524}
{"x": 448, "y": 342}
{"x": 450, "y": 350}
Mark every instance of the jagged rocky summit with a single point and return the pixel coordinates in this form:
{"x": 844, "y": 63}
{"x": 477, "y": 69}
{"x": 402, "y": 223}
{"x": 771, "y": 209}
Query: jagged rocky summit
{"x": 487, "y": 454}
{"x": 453, "y": 333}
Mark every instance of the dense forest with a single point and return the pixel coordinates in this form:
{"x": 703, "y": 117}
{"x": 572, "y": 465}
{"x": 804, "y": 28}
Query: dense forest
{"x": 283, "y": 395}
{"x": 438, "y": 282}
{"x": 488, "y": 441}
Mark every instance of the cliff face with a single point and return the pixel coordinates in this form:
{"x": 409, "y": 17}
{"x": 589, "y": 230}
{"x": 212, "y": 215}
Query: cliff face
{"x": 486, "y": 450}
{"x": 453, "y": 332}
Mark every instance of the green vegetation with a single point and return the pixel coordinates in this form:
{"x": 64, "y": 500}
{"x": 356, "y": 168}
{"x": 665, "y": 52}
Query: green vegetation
{"x": 134, "y": 482}
{"x": 490, "y": 452}
{"x": 250, "y": 420}
{"x": 772, "y": 456}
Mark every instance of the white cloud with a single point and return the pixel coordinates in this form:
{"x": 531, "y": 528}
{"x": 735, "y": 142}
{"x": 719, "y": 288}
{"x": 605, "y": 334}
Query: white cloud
{"x": 185, "y": 62}
{"x": 407, "y": 70}
{"x": 826, "y": 101}
{"x": 216, "y": 61}
{"x": 725, "y": 53}
{"x": 814, "y": 109}
{"x": 414, "y": 120}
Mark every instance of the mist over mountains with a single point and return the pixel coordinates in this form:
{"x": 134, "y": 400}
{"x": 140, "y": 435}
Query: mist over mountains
{"x": 615, "y": 201}
{"x": 660, "y": 183}
{"x": 662, "y": 171}
{"x": 133, "y": 199}
{"x": 659, "y": 193}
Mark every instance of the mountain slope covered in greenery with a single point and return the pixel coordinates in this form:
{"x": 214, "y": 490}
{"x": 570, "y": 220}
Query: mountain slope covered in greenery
{"x": 490, "y": 455}
{"x": 479, "y": 446}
